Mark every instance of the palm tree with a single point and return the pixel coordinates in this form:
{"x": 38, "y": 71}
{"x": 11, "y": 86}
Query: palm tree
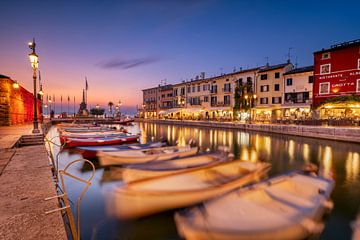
{"x": 110, "y": 104}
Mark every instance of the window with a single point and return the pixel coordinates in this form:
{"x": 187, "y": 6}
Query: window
{"x": 193, "y": 89}
{"x": 206, "y": 99}
{"x": 325, "y": 68}
{"x": 324, "y": 88}
{"x": 182, "y": 91}
{"x": 213, "y": 100}
{"x": 227, "y": 100}
{"x": 311, "y": 79}
{"x": 175, "y": 92}
{"x": 188, "y": 89}
{"x": 358, "y": 85}
{"x": 264, "y": 100}
{"x": 325, "y": 56}
{"x": 198, "y": 88}
{"x": 204, "y": 87}
{"x": 264, "y": 88}
{"x": 214, "y": 88}
{"x": 277, "y": 75}
{"x": 227, "y": 87}
{"x": 276, "y": 100}
{"x": 359, "y": 63}
{"x": 277, "y": 87}
{"x": 263, "y": 76}
{"x": 288, "y": 81}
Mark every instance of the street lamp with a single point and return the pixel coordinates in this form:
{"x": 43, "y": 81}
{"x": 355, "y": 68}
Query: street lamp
{"x": 34, "y": 60}
{"x": 16, "y": 85}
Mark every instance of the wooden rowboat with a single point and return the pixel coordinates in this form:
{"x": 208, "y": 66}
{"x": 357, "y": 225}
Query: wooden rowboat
{"x": 145, "y": 155}
{"x": 135, "y": 172}
{"x": 75, "y": 142}
{"x": 285, "y": 207}
{"x": 91, "y": 151}
{"x": 64, "y": 137}
{"x": 157, "y": 194}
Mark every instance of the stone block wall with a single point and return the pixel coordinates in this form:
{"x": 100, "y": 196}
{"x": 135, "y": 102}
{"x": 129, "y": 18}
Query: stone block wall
{"x": 16, "y": 104}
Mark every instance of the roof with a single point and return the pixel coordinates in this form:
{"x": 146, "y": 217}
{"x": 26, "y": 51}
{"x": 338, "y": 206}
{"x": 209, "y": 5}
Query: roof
{"x": 149, "y": 88}
{"x": 342, "y": 45}
{"x": 273, "y": 67}
{"x": 300, "y": 70}
{"x": 4, "y": 76}
{"x": 224, "y": 75}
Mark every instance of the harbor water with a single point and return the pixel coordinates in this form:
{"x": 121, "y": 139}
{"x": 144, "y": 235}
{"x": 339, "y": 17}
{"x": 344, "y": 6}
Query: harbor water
{"x": 285, "y": 153}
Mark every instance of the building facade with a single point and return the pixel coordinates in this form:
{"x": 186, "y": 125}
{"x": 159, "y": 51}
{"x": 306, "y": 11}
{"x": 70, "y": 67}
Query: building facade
{"x": 150, "y": 106}
{"x": 298, "y": 87}
{"x": 337, "y": 81}
{"x": 270, "y": 92}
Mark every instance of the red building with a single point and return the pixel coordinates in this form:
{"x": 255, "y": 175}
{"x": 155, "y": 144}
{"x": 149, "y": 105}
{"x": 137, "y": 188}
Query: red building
{"x": 336, "y": 79}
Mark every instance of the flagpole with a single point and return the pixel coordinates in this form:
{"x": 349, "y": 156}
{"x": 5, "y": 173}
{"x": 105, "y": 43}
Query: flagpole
{"x": 60, "y": 104}
{"x": 68, "y": 105}
{"x": 54, "y": 105}
{"x": 74, "y": 106}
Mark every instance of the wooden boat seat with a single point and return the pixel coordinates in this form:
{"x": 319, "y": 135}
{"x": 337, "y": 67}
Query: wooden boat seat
{"x": 289, "y": 198}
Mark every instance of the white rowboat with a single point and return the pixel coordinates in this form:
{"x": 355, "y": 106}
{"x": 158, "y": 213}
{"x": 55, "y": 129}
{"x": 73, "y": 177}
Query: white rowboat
{"x": 141, "y": 171}
{"x": 145, "y": 155}
{"x": 157, "y": 194}
{"x": 286, "y": 207}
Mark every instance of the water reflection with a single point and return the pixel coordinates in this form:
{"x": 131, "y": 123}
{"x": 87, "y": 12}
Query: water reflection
{"x": 342, "y": 160}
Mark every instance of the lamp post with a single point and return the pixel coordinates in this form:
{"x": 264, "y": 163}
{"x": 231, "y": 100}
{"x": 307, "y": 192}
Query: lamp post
{"x": 119, "y": 108}
{"x": 34, "y": 60}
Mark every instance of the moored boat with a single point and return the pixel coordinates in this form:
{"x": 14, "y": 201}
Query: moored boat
{"x": 65, "y": 136}
{"x": 75, "y": 142}
{"x": 153, "y": 195}
{"x": 135, "y": 172}
{"x": 286, "y": 207}
{"x": 356, "y": 228}
{"x": 91, "y": 151}
{"x": 145, "y": 155}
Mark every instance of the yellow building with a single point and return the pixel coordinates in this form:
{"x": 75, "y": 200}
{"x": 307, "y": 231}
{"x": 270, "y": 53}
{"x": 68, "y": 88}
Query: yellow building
{"x": 270, "y": 92}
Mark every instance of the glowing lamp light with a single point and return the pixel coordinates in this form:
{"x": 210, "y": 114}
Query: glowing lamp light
{"x": 254, "y": 96}
{"x": 15, "y": 85}
{"x": 34, "y": 60}
{"x": 246, "y": 96}
{"x": 41, "y": 92}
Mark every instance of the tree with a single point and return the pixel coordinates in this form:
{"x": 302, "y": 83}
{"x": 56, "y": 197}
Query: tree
{"x": 110, "y": 104}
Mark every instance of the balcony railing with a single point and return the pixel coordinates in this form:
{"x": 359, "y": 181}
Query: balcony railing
{"x": 213, "y": 91}
{"x": 290, "y": 102}
{"x": 220, "y": 104}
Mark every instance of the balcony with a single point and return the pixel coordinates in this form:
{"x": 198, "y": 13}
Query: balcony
{"x": 213, "y": 91}
{"x": 166, "y": 107}
{"x": 296, "y": 101}
{"x": 220, "y": 104}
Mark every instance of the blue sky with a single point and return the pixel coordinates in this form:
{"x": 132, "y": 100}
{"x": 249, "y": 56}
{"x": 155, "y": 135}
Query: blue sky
{"x": 125, "y": 46}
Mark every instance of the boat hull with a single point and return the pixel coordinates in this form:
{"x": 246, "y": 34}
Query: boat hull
{"x": 107, "y": 160}
{"x": 129, "y": 203}
{"x": 306, "y": 222}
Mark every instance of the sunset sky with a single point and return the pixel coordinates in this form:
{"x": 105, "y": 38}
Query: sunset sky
{"x": 125, "y": 46}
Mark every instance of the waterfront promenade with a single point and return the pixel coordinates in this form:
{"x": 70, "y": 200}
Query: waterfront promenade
{"x": 340, "y": 133}
{"x": 25, "y": 181}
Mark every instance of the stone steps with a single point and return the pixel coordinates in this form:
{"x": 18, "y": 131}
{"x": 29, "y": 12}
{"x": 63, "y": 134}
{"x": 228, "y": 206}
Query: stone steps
{"x": 33, "y": 139}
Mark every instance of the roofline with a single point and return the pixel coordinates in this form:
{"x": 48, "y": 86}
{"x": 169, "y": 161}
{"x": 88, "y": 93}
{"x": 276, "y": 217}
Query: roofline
{"x": 339, "y": 46}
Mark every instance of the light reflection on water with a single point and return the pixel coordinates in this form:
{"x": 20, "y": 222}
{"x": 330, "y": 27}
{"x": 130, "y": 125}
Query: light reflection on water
{"x": 337, "y": 159}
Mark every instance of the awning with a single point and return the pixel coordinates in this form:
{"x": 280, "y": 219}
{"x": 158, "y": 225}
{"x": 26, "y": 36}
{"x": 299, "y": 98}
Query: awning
{"x": 169, "y": 111}
{"x": 220, "y": 109}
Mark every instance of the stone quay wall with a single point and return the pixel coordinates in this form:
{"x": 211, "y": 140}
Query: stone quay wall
{"x": 16, "y": 104}
{"x": 348, "y": 134}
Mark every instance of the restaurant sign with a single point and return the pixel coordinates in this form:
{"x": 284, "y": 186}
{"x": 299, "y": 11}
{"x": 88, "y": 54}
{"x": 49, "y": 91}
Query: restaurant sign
{"x": 341, "y": 82}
